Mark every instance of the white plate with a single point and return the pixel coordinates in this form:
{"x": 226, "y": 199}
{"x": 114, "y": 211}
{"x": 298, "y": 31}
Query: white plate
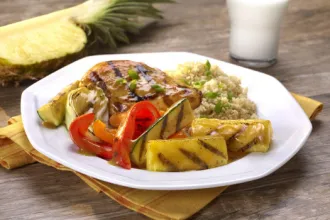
{"x": 291, "y": 128}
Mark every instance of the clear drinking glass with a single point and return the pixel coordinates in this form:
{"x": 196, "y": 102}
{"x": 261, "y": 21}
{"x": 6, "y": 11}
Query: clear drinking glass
{"x": 254, "y": 30}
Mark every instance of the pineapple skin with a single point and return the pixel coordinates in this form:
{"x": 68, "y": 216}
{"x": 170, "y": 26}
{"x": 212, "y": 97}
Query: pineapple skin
{"x": 14, "y": 74}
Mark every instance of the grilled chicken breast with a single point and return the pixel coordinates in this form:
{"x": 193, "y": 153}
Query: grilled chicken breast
{"x": 127, "y": 82}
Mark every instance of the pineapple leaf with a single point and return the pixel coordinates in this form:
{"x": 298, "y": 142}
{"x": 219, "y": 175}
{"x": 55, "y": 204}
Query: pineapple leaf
{"x": 111, "y": 23}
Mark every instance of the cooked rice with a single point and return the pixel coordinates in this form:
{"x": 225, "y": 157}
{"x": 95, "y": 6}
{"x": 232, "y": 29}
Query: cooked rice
{"x": 223, "y": 96}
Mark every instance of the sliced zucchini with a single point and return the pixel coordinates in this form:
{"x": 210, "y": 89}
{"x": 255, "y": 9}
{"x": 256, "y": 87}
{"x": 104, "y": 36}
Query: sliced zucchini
{"x": 52, "y": 113}
{"x": 175, "y": 118}
{"x": 240, "y": 135}
{"x": 196, "y": 153}
{"x": 83, "y": 100}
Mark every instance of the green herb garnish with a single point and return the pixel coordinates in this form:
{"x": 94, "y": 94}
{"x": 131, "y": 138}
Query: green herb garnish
{"x": 121, "y": 81}
{"x": 208, "y": 74}
{"x": 211, "y": 95}
{"x": 219, "y": 107}
{"x": 207, "y": 65}
{"x": 230, "y": 96}
{"x": 132, "y": 85}
{"x": 208, "y": 69}
{"x": 199, "y": 84}
{"x": 133, "y": 74}
{"x": 158, "y": 88}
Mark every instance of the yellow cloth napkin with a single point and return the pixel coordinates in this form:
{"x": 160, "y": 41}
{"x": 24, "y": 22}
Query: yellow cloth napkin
{"x": 16, "y": 151}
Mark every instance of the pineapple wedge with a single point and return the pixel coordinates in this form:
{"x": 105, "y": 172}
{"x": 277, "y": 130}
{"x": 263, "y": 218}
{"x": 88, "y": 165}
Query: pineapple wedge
{"x": 240, "y": 135}
{"x": 186, "y": 154}
{"x": 33, "y": 48}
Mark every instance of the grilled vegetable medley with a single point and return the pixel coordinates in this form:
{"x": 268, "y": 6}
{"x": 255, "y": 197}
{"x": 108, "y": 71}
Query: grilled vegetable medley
{"x": 138, "y": 116}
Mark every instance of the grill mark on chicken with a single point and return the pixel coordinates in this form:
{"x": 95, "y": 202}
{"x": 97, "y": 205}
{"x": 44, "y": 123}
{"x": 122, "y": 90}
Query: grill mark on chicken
{"x": 167, "y": 162}
{"x": 194, "y": 158}
{"x": 211, "y": 148}
{"x": 134, "y": 97}
{"x": 117, "y": 71}
{"x": 144, "y": 74}
{"x": 131, "y": 94}
{"x": 94, "y": 77}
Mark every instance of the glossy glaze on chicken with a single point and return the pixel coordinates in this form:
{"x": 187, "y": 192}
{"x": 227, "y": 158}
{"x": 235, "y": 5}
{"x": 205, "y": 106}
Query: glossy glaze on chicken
{"x": 127, "y": 82}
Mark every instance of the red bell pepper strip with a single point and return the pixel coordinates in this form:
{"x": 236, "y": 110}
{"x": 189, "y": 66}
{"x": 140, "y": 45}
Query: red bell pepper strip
{"x": 78, "y": 129}
{"x": 139, "y": 118}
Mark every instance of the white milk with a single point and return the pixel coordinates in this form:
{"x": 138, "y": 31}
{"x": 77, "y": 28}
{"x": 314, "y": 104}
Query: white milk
{"x": 255, "y": 29}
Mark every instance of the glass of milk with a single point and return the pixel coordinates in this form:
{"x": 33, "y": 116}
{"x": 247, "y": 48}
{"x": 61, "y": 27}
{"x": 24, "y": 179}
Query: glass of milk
{"x": 255, "y": 30}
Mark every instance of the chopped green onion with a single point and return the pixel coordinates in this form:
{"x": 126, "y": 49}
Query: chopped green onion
{"x": 219, "y": 107}
{"x": 208, "y": 69}
{"x": 158, "y": 88}
{"x": 211, "y": 95}
{"x": 133, "y": 74}
{"x": 121, "y": 81}
{"x": 220, "y": 86}
{"x": 208, "y": 74}
{"x": 207, "y": 65}
{"x": 230, "y": 96}
{"x": 132, "y": 85}
{"x": 199, "y": 84}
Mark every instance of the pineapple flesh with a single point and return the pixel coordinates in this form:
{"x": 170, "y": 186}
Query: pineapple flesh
{"x": 186, "y": 154}
{"x": 253, "y": 135}
{"x": 33, "y": 48}
{"x": 38, "y": 44}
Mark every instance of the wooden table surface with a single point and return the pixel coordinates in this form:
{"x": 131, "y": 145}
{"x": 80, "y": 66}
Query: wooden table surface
{"x": 298, "y": 190}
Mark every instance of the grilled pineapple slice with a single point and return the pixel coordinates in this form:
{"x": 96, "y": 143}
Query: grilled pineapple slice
{"x": 186, "y": 154}
{"x": 240, "y": 135}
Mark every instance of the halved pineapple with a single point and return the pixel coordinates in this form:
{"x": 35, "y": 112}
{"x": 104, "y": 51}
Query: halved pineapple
{"x": 34, "y": 48}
